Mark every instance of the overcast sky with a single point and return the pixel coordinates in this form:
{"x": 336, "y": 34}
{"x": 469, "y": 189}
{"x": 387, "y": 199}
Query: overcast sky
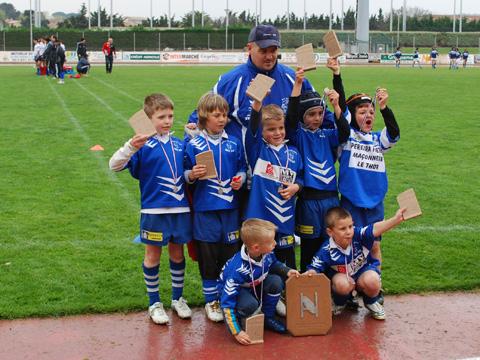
{"x": 216, "y": 8}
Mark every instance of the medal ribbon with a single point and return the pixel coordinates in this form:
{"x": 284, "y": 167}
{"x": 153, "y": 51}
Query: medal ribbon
{"x": 174, "y": 173}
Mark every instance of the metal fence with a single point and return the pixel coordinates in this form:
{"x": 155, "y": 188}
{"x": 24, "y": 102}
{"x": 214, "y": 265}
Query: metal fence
{"x": 233, "y": 40}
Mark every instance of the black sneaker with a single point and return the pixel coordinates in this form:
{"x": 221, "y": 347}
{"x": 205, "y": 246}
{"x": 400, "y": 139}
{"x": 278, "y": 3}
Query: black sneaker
{"x": 275, "y": 325}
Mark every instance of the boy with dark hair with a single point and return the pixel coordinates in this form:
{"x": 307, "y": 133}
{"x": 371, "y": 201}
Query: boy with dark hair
{"x": 59, "y": 61}
{"x": 345, "y": 259}
{"x": 82, "y": 48}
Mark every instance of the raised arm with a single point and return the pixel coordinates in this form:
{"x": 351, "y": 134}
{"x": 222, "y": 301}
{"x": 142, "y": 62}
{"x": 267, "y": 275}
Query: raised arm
{"x": 383, "y": 226}
{"x": 391, "y": 124}
{"x": 334, "y": 65}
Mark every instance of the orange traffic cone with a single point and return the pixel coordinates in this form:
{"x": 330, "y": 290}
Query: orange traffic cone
{"x": 97, "y": 148}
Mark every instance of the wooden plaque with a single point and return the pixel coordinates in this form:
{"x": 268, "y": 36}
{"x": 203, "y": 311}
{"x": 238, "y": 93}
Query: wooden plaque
{"x": 306, "y": 57}
{"x": 206, "y": 158}
{"x": 309, "y": 305}
{"x": 259, "y": 87}
{"x": 141, "y": 124}
{"x": 332, "y": 45}
{"x": 408, "y": 200}
{"x": 254, "y": 326}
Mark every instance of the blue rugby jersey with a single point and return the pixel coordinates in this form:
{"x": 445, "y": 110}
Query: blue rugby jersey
{"x": 398, "y": 54}
{"x": 317, "y": 149}
{"x": 434, "y": 54}
{"x": 233, "y": 86}
{"x": 159, "y": 187}
{"x": 264, "y": 201}
{"x": 209, "y": 194}
{"x": 237, "y": 273}
{"x": 362, "y": 174}
{"x": 331, "y": 258}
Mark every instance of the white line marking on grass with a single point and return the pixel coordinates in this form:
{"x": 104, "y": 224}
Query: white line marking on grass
{"x": 439, "y": 229}
{"x": 124, "y": 193}
{"x": 101, "y": 101}
{"x": 140, "y": 102}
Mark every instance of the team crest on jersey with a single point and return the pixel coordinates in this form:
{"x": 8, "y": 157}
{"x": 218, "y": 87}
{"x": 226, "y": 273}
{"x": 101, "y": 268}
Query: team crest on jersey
{"x": 229, "y": 146}
{"x": 291, "y": 156}
{"x": 178, "y": 146}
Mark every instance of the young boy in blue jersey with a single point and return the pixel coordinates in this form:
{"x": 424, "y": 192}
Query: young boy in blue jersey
{"x": 318, "y": 148}
{"x": 398, "y": 56}
{"x": 252, "y": 280}
{"x": 157, "y": 162}
{"x": 277, "y": 176}
{"x": 433, "y": 57}
{"x": 345, "y": 259}
{"x": 465, "y": 57}
{"x": 216, "y": 218}
{"x": 416, "y": 58}
{"x": 363, "y": 181}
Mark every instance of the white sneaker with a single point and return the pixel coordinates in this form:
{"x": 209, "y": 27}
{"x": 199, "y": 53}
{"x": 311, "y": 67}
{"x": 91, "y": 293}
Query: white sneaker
{"x": 376, "y": 310}
{"x": 181, "y": 308}
{"x": 61, "y": 82}
{"x": 337, "y": 309}
{"x": 214, "y": 313}
{"x": 281, "y": 308}
{"x": 158, "y": 314}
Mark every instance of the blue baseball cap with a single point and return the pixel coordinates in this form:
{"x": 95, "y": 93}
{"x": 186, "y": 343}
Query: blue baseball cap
{"x": 265, "y": 36}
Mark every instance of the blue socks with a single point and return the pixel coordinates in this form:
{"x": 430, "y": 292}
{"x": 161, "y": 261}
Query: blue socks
{"x": 177, "y": 272}
{"x": 210, "y": 290}
{"x": 152, "y": 281}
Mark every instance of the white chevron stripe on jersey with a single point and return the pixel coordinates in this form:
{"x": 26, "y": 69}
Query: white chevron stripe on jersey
{"x": 223, "y": 197}
{"x": 324, "y": 179}
{"x": 197, "y": 142}
{"x": 170, "y": 180}
{"x": 179, "y": 197}
{"x": 320, "y": 171}
{"x": 318, "y": 165}
{"x": 223, "y": 183}
{"x": 279, "y": 208}
{"x": 243, "y": 269}
{"x": 278, "y": 200}
{"x": 224, "y": 190}
{"x": 173, "y": 187}
{"x": 280, "y": 218}
{"x": 230, "y": 287}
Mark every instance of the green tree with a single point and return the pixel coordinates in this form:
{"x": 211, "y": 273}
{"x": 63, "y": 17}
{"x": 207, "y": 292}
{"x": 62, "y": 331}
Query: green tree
{"x": 79, "y": 21}
{"x": 9, "y": 11}
{"x": 118, "y": 20}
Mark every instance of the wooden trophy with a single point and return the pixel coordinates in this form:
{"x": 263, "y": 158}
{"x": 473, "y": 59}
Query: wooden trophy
{"x": 141, "y": 124}
{"x": 206, "y": 158}
{"x": 254, "y": 326}
{"x": 306, "y": 57}
{"x": 309, "y": 305}
{"x": 408, "y": 200}
{"x": 259, "y": 87}
{"x": 332, "y": 45}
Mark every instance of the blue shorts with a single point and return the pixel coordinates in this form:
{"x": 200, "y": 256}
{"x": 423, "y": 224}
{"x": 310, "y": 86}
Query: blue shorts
{"x": 160, "y": 229}
{"x": 217, "y": 226}
{"x": 284, "y": 240}
{"x": 310, "y": 217}
{"x": 370, "y": 266}
{"x": 364, "y": 216}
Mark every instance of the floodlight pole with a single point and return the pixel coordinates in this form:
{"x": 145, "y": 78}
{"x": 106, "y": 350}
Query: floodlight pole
{"x": 256, "y": 12}
{"x": 111, "y": 14}
{"x": 151, "y": 14}
{"x": 288, "y": 14}
{"x": 169, "y": 16}
{"x": 39, "y": 13}
{"x": 342, "y": 16}
{"x": 330, "y": 17}
{"x": 404, "y": 25}
{"x": 203, "y": 13}
{"x": 260, "y": 11}
{"x": 454, "y": 13}
{"x": 391, "y": 15}
{"x": 98, "y": 15}
{"x": 226, "y": 28}
{"x": 304, "y": 14}
{"x": 461, "y": 15}
{"x": 31, "y": 28}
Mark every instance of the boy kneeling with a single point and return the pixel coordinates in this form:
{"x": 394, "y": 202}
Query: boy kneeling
{"x": 252, "y": 280}
{"x": 345, "y": 259}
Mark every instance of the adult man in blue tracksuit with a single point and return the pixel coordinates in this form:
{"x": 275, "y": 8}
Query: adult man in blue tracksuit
{"x": 263, "y": 44}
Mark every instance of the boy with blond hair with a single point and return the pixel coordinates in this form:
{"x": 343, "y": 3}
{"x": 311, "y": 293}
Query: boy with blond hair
{"x": 251, "y": 281}
{"x": 277, "y": 176}
{"x": 157, "y": 163}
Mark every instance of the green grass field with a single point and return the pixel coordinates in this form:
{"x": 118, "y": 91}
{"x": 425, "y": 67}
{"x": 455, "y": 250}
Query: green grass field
{"x": 67, "y": 222}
